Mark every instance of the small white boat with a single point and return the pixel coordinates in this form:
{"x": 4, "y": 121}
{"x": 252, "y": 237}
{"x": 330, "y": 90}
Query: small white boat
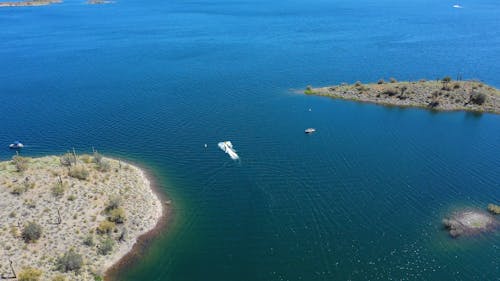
{"x": 227, "y": 147}
{"x": 456, "y": 6}
{"x": 16, "y": 145}
{"x": 309, "y": 130}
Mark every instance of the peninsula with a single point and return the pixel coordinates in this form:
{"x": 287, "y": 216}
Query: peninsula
{"x": 442, "y": 94}
{"x": 29, "y": 3}
{"x": 71, "y": 217}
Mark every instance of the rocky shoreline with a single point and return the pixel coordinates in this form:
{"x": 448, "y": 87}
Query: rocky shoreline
{"x": 441, "y": 95}
{"x": 72, "y": 217}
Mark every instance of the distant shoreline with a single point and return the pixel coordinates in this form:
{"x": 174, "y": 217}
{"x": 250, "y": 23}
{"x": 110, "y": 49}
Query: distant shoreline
{"x": 439, "y": 95}
{"x": 29, "y": 3}
{"x": 34, "y": 3}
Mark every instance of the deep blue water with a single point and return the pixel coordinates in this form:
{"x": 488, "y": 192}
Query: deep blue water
{"x": 362, "y": 199}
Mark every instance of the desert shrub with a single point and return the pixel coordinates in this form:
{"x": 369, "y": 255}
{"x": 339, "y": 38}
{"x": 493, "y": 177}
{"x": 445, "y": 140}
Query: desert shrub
{"x": 390, "y": 92}
{"x": 117, "y": 215}
{"x": 456, "y": 86}
{"x": 393, "y": 80}
{"x": 446, "y": 79}
{"x": 70, "y": 261}
{"x": 89, "y": 240}
{"x": 105, "y": 227}
{"x": 20, "y": 162}
{"x": 19, "y": 189}
{"x": 403, "y": 89}
{"x": 358, "y": 83}
{"x": 67, "y": 159}
{"x": 79, "y": 172}
{"x": 31, "y": 232}
{"x": 29, "y": 274}
{"x": 434, "y": 103}
{"x": 86, "y": 158}
{"x": 114, "y": 201}
{"x": 478, "y": 98}
{"x": 59, "y": 278}
{"x": 30, "y": 203}
{"x": 58, "y": 189}
{"x": 422, "y": 80}
{"x": 446, "y": 88}
{"x": 309, "y": 90}
{"x": 104, "y": 166}
{"x": 106, "y": 246}
{"x": 97, "y": 158}
{"x": 381, "y": 81}
{"x": 495, "y": 209}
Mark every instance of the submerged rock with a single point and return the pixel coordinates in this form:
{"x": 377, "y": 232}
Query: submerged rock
{"x": 469, "y": 223}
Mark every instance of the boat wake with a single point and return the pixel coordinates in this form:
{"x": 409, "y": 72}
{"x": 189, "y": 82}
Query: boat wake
{"x": 227, "y": 147}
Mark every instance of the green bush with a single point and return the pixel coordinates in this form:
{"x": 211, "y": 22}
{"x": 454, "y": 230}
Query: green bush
{"x": 446, "y": 79}
{"x": 58, "y": 189}
{"x": 67, "y": 159}
{"x": 495, "y": 209}
{"x": 59, "y": 278}
{"x": 29, "y": 274}
{"x": 478, "y": 98}
{"x": 381, "y": 81}
{"x": 79, "y": 172}
{"x": 104, "y": 166}
{"x": 20, "y": 162}
{"x": 309, "y": 90}
{"x": 70, "y": 261}
{"x": 19, "y": 189}
{"x": 89, "y": 240}
{"x": 393, "y": 80}
{"x": 105, "y": 227}
{"x": 114, "y": 201}
{"x": 97, "y": 158}
{"x": 117, "y": 215}
{"x": 86, "y": 158}
{"x": 390, "y": 92}
{"x": 106, "y": 246}
{"x": 31, "y": 232}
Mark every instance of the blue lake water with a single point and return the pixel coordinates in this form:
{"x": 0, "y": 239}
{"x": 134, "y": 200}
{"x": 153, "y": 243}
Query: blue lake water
{"x": 362, "y": 199}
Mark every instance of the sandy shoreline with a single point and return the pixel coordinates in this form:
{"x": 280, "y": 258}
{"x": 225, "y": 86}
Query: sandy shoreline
{"x": 143, "y": 241}
{"x": 28, "y": 195}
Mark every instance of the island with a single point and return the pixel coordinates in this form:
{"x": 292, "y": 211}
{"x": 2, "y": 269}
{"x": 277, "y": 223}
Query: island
{"x": 471, "y": 222}
{"x": 99, "y": 2}
{"x": 29, "y": 3}
{"x": 441, "y": 94}
{"x": 71, "y": 217}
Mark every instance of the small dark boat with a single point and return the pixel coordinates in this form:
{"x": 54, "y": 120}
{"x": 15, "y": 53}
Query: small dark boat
{"x": 310, "y": 130}
{"x": 16, "y": 145}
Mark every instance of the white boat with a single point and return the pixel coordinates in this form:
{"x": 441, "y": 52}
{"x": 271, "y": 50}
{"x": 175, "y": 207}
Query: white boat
{"x": 16, "y": 145}
{"x": 309, "y": 130}
{"x": 456, "y": 6}
{"x": 227, "y": 147}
